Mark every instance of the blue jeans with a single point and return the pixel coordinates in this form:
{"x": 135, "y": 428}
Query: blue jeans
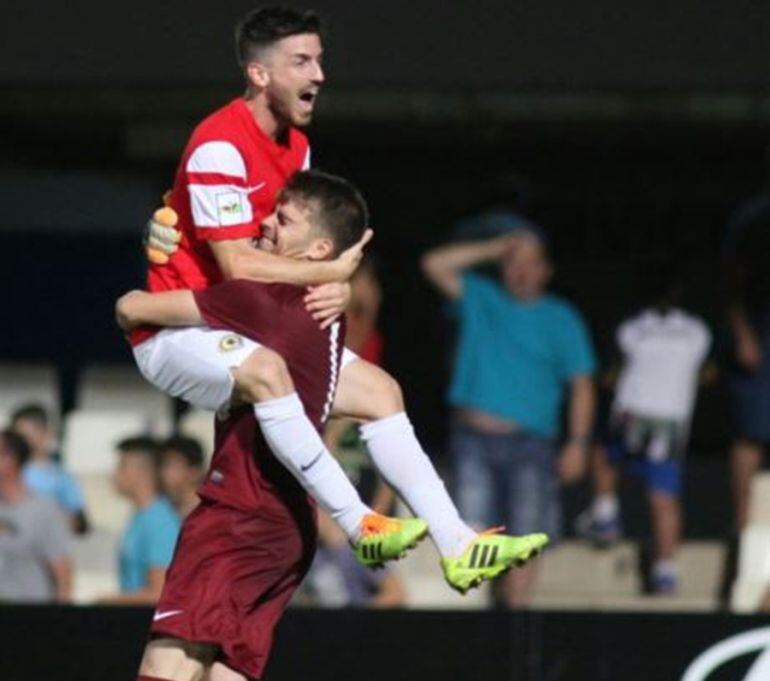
{"x": 506, "y": 480}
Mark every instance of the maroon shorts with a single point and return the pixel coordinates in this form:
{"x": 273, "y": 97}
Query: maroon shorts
{"x": 232, "y": 576}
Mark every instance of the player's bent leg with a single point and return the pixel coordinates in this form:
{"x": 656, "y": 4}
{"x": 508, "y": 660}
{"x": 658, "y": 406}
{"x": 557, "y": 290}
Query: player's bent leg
{"x": 173, "y": 659}
{"x": 403, "y": 463}
{"x": 194, "y": 364}
{"x": 366, "y": 392}
{"x": 370, "y": 395}
{"x": 264, "y": 380}
{"x": 262, "y": 376}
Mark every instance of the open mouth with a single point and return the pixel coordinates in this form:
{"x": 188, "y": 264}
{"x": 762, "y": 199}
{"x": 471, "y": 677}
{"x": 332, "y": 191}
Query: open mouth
{"x": 308, "y": 98}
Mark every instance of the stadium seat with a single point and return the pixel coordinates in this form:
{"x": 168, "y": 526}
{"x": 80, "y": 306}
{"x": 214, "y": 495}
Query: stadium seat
{"x": 117, "y": 387}
{"x": 89, "y": 440}
{"x": 95, "y": 559}
{"x": 574, "y": 575}
{"x": 753, "y": 580}
{"x": 107, "y": 510}
{"x": 25, "y": 383}
{"x": 759, "y": 507}
{"x": 199, "y": 424}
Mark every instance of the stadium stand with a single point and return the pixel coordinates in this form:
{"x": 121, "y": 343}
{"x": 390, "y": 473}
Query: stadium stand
{"x": 115, "y": 387}
{"x": 27, "y": 383}
{"x": 753, "y": 580}
{"x": 199, "y": 424}
{"x": 88, "y": 448}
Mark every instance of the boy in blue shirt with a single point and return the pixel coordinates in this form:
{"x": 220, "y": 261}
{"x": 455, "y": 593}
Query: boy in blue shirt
{"x": 43, "y": 474}
{"x": 520, "y": 351}
{"x": 150, "y": 537}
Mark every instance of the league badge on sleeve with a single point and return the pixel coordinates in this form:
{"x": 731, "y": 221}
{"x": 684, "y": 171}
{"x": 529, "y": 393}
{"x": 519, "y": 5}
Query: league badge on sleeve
{"x": 230, "y": 208}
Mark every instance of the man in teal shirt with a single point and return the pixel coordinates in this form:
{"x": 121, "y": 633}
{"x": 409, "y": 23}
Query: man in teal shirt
{"x": 520, "y": 352}
{"x": 149, "y": 539}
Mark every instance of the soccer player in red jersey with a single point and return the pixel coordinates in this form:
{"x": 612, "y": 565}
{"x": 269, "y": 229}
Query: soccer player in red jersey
{"x": 218, "y": 193}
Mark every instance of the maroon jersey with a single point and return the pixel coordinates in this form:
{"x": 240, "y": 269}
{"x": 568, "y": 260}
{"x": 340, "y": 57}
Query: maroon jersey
{"x": 243, "y": 472}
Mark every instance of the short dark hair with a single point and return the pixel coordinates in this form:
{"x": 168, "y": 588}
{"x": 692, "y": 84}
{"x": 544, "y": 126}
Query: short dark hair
{"x": 31, "y": 412}
{"x": 189, "y": 448}
{"x": 140, "y": 444}
{"x": 265, "y": 26}
{"x": 17, "y": 445}
{"x": 341, "y": 210}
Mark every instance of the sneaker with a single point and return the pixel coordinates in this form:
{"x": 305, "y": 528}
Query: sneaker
{"x": 490, "y": 555}
{"x": 601, "y": 533}
{"x": 383, "y": 538}
{"x": 663, "y": 584}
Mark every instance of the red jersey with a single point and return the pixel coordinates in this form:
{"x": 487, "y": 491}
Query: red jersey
{"x": 243, "y": 472}
{"x": 225, "y": 185}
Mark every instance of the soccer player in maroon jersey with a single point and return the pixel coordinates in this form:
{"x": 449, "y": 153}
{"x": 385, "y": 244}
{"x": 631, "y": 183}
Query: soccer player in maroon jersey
{"x": 231, "y": 170}
{"x": 245, "y": 549}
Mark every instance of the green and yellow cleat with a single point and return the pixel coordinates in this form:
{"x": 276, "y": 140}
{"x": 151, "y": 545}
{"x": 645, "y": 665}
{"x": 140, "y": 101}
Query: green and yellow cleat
{"x": 490, "y": 555}
{"x": 383, "y": 538}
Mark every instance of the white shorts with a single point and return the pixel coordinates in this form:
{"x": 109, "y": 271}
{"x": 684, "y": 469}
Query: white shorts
{"x": 194, "y": 363}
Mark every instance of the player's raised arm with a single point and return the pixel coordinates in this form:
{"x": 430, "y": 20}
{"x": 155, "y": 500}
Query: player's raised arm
{"x": 168, "y": 308}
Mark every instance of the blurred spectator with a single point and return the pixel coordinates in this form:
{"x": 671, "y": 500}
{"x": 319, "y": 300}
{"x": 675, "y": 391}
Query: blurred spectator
{"x": 519, "y": 348}
{"x": 748, "y": 310}
{"x": 150, "y": 536}
{"x": 337, "y": 578}
{"x": 35, "y": 542}
{"x": 362, "y": 335}
{"x": 181, "y": 472}
{"x": 43, "y": 474}
{"x": 663, "y": 348}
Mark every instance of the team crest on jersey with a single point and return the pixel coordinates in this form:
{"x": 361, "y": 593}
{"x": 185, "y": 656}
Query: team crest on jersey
{"x": 230, "y": 208}
{"x": 229, "y": 343}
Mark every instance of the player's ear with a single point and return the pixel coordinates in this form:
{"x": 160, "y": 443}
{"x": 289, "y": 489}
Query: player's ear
{"x": 257, "y": 74}
{"x": 322, "y": 248}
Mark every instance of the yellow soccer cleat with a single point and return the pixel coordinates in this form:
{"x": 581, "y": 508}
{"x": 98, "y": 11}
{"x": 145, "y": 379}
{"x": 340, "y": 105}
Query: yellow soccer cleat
{"x": 490, "y": 555}
{"x": 383, "y": 538}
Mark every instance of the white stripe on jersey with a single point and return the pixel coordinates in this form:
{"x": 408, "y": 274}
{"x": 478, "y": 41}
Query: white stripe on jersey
{"x": 306, "y": 162}
{"x": 334, "y": 340}
{"x": 217, "y": 157}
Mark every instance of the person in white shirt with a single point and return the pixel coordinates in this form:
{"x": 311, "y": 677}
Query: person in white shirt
{"x": 663, "y": 349}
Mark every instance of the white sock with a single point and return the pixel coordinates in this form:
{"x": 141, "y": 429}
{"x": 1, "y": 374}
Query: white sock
{"x": 605, "y": 508}
{"x": 298, "y": 446}
{"x": 401, "y": 460}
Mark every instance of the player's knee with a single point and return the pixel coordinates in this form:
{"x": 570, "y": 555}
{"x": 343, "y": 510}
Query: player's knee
{"x": 175, "y": 660}
{"x": 387, "y": 398}
{"x": 263, "y": 376}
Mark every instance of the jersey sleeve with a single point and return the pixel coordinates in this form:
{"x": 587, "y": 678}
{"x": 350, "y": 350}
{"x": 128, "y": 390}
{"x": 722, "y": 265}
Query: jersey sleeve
{"x": 245, "y": 307}
{"x": 215, "y": 173}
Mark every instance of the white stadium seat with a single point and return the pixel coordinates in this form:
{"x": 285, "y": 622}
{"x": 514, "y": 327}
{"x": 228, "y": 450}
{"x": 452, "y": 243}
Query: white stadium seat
{"x": 25, "y": 383}
{"x": 759, "y": 507}
{"x": 199, "y": 424}
{"x": 753, "y": 580}
{"x": 89, "y": 440}
{"x": 118, "y": 387}
{"x": 95, "y": 559}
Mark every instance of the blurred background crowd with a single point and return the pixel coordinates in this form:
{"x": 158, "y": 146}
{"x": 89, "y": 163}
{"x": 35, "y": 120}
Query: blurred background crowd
{"x": 568, "y": 278}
